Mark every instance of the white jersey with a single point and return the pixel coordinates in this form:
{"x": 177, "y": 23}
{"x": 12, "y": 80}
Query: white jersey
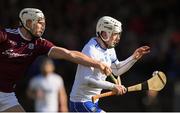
{"x": 50, "y": 85}
{"x": 81, "y": 90}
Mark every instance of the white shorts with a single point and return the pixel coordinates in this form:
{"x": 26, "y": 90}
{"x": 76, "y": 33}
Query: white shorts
{"x": 7, "y": 100}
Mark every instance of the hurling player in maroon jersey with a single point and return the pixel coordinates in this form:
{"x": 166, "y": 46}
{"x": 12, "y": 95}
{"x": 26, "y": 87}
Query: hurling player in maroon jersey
{"x": 20, "y": 47}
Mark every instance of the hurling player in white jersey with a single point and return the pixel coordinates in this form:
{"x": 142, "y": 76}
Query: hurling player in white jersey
{"x": 90, "y": 81}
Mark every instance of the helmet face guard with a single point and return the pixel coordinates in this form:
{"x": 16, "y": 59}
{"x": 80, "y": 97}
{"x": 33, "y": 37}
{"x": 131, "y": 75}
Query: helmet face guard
{"x": 32, "y": 14}
{"x": 109, "y": 25}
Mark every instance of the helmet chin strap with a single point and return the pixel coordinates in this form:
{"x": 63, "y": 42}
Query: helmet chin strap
{"x": 33, "y": 36}
{"x": 106, "y": 45}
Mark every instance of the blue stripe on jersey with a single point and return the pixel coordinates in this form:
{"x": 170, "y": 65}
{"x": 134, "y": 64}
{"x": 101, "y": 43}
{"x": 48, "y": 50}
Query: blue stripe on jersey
{"x": 98, "y": 45}
{"x": 84, "y": 107}
{"x": 114, "y": 61}
{"x": 14, "y": 31}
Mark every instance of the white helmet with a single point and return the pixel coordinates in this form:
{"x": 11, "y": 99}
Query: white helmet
{"x": 108, "y": 25}
{"x": 30, "y": 14}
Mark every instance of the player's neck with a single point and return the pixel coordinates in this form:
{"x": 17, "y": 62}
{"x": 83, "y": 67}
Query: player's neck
{"x": 46, "y": 73}
{"x": 25, "y": 34}
{"x": 101, "y": 43}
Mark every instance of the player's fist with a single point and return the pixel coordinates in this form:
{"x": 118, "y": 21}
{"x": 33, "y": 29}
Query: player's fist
{"x": 105, "y": 69}
{"x": 119, "y": 89}
{"x": 139, "y": 52}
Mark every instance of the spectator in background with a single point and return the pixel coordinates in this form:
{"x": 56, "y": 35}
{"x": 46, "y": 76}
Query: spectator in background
{"x": 48, "y": 90}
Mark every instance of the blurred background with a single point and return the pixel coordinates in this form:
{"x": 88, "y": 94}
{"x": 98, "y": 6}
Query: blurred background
{"x": 70, "y": 24}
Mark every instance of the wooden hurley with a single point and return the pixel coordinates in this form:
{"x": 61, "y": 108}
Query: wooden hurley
{"x": 155, "y": 83}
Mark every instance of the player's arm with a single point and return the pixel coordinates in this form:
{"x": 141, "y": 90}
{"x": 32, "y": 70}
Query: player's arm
{"x": 118, "y": 68}
{"x": 62, "y": 96}
{"x": 92, "y": 82}
{"x": 33, "y": 91}
{"x": 63, "y": 100}
{"x": 79, "y": 58}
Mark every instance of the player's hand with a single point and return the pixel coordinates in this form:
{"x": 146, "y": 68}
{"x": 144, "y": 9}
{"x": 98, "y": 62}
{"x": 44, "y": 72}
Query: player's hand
{"x": 40, "y": 94}
{"x": 140, "y": 52}
{"x": 119, "y": 89}
{"x": 105, "y": 69}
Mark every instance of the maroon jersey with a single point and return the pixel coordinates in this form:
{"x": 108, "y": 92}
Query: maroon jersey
{"x": 16, "y": 54}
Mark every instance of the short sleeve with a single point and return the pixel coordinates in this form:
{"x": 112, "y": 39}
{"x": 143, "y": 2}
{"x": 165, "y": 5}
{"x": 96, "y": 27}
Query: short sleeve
{"x": 3, "y": 36}
{"x": 44, "y": 46}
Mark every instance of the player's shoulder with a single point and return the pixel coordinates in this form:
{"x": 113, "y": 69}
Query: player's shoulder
{"x": 91, "y": 43}
{"x": 111, "y": 50}
{"x": 37, "y": 78}
{"x": 9, "y": 33}
{"x": 56, "y": 76}
{"x": 11, "y": 30}
{"x": 43, "y": 41}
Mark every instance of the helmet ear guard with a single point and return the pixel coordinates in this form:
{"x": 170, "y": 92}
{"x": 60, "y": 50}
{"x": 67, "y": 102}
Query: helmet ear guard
{"x": 103, "y": 35}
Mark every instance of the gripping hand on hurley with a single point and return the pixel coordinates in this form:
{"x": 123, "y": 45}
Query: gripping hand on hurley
{"x": 104, "y": 69}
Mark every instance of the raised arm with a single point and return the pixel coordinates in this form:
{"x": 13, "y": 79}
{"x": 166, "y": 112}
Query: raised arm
{"x": 119, "y": 68}
{"x": 79, "y": 58}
